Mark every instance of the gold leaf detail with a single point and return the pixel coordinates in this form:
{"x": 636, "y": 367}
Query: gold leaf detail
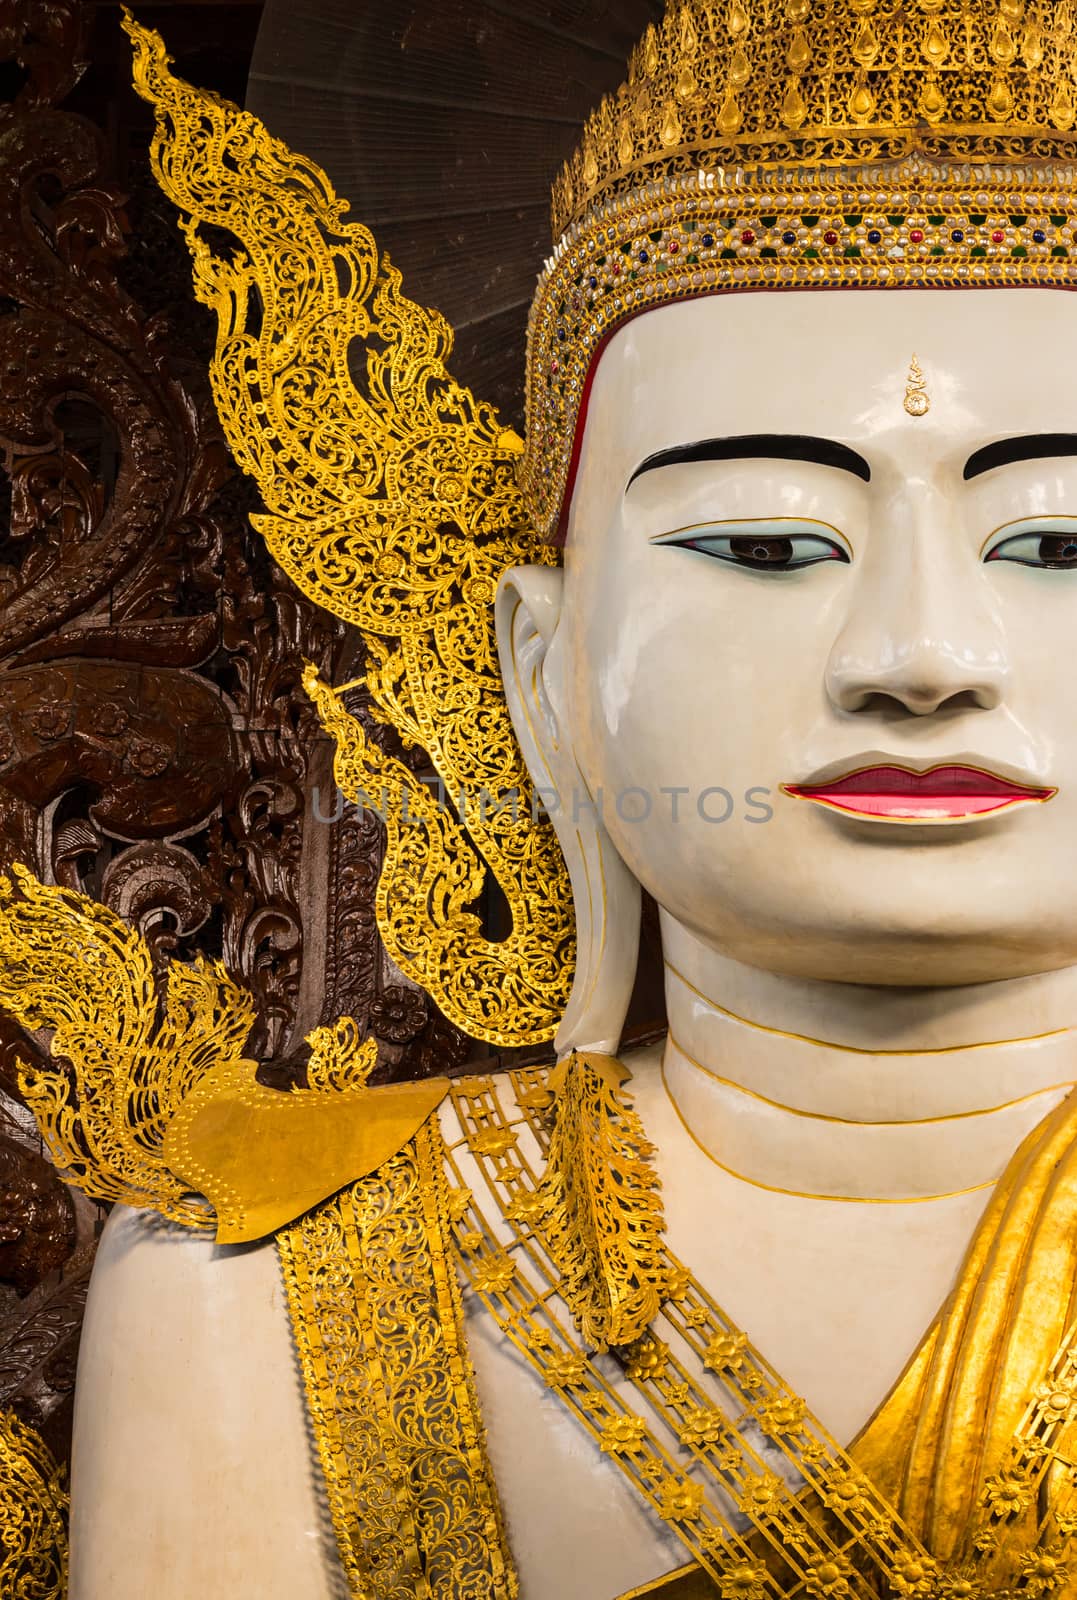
{"x": 1043, "y": 1572}
{"x": 726, "y": 1352}
{"x": 865, "y": 44}
{"x": 936, "y": 45}
{"x": 739, "y": 21}
{"x": 686, "y": 83}
{"x": 670, "y": 132}
{"x": 1032, "y": 47}
{"x": 798, "y": 11}
{"x": 1062, "y": 107}
{"x": 564, "y": 1370}
{"x": 689, "y": 36}
{"x": 1006, "y": 1494}
{"x": 730, "y": 116}
{"x": 341, "y": 1059}
{"x": 623, "y": 1436}
{"x": 680, "y": 1500}
{"x": 1000, "y": 100}
{"x": 625, "y": 146}
{"x": 494, "y": 1276}
{"x": 829, "y": 1580}
{"x": 590, "y": 166}
{"x": 745, "y": 1580}
{"x": 933, "y": 102}
{"x": 396, "y": 1506}
{"x": 650, "y": 51}
{"x": 702, "y": 1426}
{"x": 739, "y": 69}
{"x": 861, "y": 103}
{"x": 799, "y": 51}
{"x": 793, "y": 108}
{"x": 1003, "y": 45}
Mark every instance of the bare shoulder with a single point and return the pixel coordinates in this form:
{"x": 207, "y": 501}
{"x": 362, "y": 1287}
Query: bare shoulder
{"x": 193, "y": 1469}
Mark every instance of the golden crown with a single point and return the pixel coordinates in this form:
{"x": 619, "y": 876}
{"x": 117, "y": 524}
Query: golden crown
{"x": 804, "y": 144}
{"x": 817, "y": 82}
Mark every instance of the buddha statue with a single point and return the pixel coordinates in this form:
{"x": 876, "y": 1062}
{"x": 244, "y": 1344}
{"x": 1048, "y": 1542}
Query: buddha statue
{"x": 770, "y": 617}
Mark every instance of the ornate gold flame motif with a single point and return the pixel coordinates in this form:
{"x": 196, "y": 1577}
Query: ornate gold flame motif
{"x": 149, "y": 1100}
{"x": 392, "y": 502}
{"x": 69, "y": 965}
{"x": 33, "y": 1516}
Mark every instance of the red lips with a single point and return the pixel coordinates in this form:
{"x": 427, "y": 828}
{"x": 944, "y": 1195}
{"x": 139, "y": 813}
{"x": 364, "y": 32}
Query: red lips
{"x": 897, "y": 794}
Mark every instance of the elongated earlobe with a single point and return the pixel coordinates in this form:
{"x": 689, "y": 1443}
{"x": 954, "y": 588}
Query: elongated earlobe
{"x": 605, "y": 895}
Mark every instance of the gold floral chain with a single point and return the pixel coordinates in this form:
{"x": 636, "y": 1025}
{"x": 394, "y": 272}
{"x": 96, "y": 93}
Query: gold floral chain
{"x": 733, "y": 1485}
{"x": 813, "y": 1542}
{"x": 377, "y": 1315}
{"x": 1038, "y": 1475}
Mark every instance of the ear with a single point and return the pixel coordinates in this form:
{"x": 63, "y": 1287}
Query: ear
{"x": 605, "y": 895}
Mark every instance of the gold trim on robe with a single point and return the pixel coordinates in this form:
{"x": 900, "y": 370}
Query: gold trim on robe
{"x": 975, "y": 1436}
{"x": 376, "y": 1311}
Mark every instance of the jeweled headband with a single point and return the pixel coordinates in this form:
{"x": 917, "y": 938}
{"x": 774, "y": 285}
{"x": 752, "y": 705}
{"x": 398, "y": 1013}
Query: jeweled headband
{"x": 804, "y": 144}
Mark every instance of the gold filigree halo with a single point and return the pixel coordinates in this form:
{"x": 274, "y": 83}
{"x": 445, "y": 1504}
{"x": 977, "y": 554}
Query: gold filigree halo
{"x": 803, "y": 144}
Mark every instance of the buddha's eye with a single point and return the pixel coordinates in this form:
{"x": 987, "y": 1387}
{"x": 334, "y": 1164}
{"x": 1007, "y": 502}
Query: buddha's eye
{"x": 784, "y": 546}
{"x": 1042, "y": 542}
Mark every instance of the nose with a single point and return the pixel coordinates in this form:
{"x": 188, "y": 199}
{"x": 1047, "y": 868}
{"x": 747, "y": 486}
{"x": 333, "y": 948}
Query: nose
{"x": 922, "y": 632}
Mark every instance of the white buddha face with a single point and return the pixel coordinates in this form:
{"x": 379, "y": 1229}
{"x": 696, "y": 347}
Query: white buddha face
{"x": 857, "y": 622}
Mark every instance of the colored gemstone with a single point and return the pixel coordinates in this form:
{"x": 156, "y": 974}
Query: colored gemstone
{"x": 998, "y": 237}
{"x": 593, "y": 282}
{"x": 875, "y": 237}
{"x": 708, "y": 241}
{"x": 674, "y": 247}
{"x": 916, "y": 235}
{"x": 644, "y": 257}
{"x": 958, "y": 236}
{"x": 747, "y": 237}
{"x": 1039, "y": 237}
{"x": 789, "y": 237}
{"x": 830, "y": 237}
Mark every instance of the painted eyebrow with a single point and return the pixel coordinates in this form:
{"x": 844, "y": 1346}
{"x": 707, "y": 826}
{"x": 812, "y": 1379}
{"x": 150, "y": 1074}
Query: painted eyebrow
{"x": 1029, "y": 447}
{"x": 762, "y": 447}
